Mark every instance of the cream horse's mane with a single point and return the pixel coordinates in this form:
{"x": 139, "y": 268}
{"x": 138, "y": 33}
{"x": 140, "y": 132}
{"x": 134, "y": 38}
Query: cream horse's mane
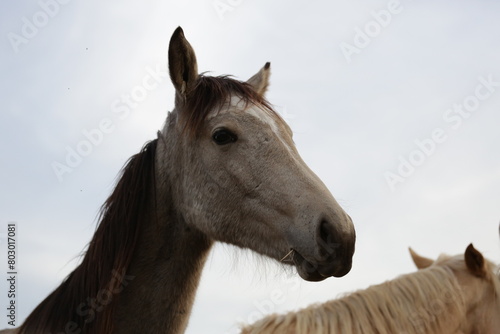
{"x": 421, "y": 302}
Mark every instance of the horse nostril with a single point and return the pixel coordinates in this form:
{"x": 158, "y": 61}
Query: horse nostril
{"x": 326, "y": 240}
{"x": 324, "y": 232}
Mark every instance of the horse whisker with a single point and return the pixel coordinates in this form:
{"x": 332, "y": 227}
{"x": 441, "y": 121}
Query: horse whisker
{"x": 287, "y": 255}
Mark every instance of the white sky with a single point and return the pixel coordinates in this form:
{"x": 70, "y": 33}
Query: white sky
{"x": 353, "y": 121}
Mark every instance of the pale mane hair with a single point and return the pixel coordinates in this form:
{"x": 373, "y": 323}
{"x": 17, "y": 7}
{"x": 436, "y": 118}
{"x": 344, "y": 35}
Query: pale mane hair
{"x": 422, "y": 302}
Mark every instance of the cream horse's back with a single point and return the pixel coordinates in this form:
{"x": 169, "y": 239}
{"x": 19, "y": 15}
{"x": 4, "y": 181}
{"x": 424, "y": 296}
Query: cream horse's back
{"x": 452, "y": 295}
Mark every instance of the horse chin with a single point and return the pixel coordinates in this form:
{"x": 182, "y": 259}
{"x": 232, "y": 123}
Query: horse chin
{"x": 318, "y": 272}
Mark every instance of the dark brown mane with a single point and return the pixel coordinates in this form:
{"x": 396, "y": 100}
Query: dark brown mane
{"x": 108, "y": 256}
{"x": 211, "y": 94}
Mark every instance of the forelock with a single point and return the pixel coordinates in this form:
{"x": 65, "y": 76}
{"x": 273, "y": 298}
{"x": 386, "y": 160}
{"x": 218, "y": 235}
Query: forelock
{"x": 210, "y": 95}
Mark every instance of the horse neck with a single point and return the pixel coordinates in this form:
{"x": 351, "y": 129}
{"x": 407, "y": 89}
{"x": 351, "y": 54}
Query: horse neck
{"x": 141, "y": 269}
{"x": 403, "y": 305}
{"x": 165, "y": 269}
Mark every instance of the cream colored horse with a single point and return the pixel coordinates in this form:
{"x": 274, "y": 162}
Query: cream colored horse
{"x": 224, "y": 168}
{"x": 453, "y": 295}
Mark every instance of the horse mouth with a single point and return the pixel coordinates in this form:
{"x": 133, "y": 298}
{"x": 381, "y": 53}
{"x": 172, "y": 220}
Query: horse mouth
{"x": 315, "y": 272}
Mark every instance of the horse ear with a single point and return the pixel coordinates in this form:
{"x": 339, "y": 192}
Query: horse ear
{"x": 182, "y": 63}
{"x": 260, "y": 81}
{"x": 475, "y": 262}
{"x": 420, "y": 261}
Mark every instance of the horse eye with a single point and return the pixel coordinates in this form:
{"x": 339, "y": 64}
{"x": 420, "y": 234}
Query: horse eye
{"x": 223, "y": 137}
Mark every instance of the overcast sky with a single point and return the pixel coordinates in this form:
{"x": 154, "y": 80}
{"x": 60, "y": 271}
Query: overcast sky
{"x": 394, "y": 104}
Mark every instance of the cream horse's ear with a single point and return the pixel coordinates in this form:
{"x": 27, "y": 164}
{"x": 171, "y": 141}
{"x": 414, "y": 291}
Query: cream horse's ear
{"x": 182, "y": 63}
{"x": 420, "y": 261}
{"x": 475, "y": 262}
{"x": 260, "y": 81}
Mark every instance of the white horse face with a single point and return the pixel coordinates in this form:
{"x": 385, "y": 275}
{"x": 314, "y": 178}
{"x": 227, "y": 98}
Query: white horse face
{"x": 241, "y": 179}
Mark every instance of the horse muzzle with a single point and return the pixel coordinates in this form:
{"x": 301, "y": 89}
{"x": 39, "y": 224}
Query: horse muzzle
{"x": 331, "y": 256}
